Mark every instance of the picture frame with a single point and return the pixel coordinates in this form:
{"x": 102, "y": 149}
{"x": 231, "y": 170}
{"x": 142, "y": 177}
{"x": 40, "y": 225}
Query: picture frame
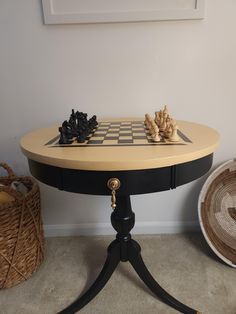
{"x": 117, "y": 11}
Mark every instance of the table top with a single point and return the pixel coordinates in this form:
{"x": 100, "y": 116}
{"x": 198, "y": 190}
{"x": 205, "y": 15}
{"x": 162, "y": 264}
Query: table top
{"x": 199, "y": 141}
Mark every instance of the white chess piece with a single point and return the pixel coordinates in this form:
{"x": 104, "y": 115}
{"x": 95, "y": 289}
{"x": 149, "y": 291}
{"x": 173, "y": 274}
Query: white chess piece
{"x": 174, "y": 135}
{"x": 156, "y": 138}
{"x": 147, "y": 120}
{"x": 166, "y": 110}
{"x": 155, "y": 132}
{"x": 152, "y": 126}
{"x": 168, "y": 129}
{"x": 163, "y": 122}
{"x": 157, "y": 118}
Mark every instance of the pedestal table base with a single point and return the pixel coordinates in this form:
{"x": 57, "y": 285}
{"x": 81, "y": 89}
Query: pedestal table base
{"x": 125, "y": 249}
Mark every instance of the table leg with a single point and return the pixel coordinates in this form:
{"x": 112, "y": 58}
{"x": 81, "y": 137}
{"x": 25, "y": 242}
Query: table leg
{"x": 137, "y": 262}
{"x": 113, "y": 259}
{"x": 125, "y": 249}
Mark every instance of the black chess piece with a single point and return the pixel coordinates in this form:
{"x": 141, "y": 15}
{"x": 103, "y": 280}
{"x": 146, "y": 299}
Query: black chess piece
{"x": 67, "y": 129}
{"x": 81, "y": 137}
{"x": 73, "y": 115}
{"x": 63, "y": 136}
{"x": 78, "y": 126}
{"x": 93, "y": 122}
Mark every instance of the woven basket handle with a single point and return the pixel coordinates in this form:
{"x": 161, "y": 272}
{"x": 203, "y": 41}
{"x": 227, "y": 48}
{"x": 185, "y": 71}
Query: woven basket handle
{"x": 12, "y": 192}
{"x": 8, "y": 169}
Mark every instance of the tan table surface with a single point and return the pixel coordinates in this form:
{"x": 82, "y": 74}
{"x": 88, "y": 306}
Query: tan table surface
{"x": 101, "y": 158}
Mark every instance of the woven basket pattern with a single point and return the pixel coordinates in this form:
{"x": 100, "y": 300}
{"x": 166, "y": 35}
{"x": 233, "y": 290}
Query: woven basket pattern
{"x": 218, "y": 211}
{"x": 21, "y": 232}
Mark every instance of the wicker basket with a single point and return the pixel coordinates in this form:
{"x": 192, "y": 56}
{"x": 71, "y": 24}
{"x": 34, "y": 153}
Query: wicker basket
{"x": 21, "y": 231}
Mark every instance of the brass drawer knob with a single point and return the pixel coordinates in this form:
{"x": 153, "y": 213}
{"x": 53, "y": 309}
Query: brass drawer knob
{"x": 113, "y": 184}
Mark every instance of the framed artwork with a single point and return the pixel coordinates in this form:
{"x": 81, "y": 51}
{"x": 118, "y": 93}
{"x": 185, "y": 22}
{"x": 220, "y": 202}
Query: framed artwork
{"x": 113, "y": 11}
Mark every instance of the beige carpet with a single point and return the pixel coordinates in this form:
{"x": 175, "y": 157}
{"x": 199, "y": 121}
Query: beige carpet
{"x": 182, "y": 264}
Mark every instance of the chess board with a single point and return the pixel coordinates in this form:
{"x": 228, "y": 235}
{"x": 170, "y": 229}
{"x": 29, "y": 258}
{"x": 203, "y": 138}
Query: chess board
{"x": 120, "y": 133}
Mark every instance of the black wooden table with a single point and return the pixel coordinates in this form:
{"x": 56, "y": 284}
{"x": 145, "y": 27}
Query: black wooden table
{"x": 120, "y": 172}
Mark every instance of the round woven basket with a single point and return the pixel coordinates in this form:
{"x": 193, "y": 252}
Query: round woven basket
{"x": 217, "y": 211}
{"x": 21, "y": 231}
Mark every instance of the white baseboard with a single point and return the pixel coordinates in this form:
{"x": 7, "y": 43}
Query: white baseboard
{"x": 86, "y": 229}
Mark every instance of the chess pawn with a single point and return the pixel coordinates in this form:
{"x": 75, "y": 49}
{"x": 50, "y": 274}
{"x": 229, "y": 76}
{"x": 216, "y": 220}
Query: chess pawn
{"x": 147, "y": 120}
{"x": 150, "y": 126}
{"x": 156, "y": 138}
{"x": 174, "y": 136}
{"x": 155, "y": 134}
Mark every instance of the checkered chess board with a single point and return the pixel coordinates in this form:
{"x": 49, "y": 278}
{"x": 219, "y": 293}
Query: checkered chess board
{"x": 120, "y": 133}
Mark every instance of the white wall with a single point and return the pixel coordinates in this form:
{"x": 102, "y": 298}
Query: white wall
{"x": 116, "y": 70}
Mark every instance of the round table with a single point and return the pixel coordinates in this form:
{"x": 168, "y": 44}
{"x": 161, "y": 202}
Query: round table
{"x": 121, "y": 170}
